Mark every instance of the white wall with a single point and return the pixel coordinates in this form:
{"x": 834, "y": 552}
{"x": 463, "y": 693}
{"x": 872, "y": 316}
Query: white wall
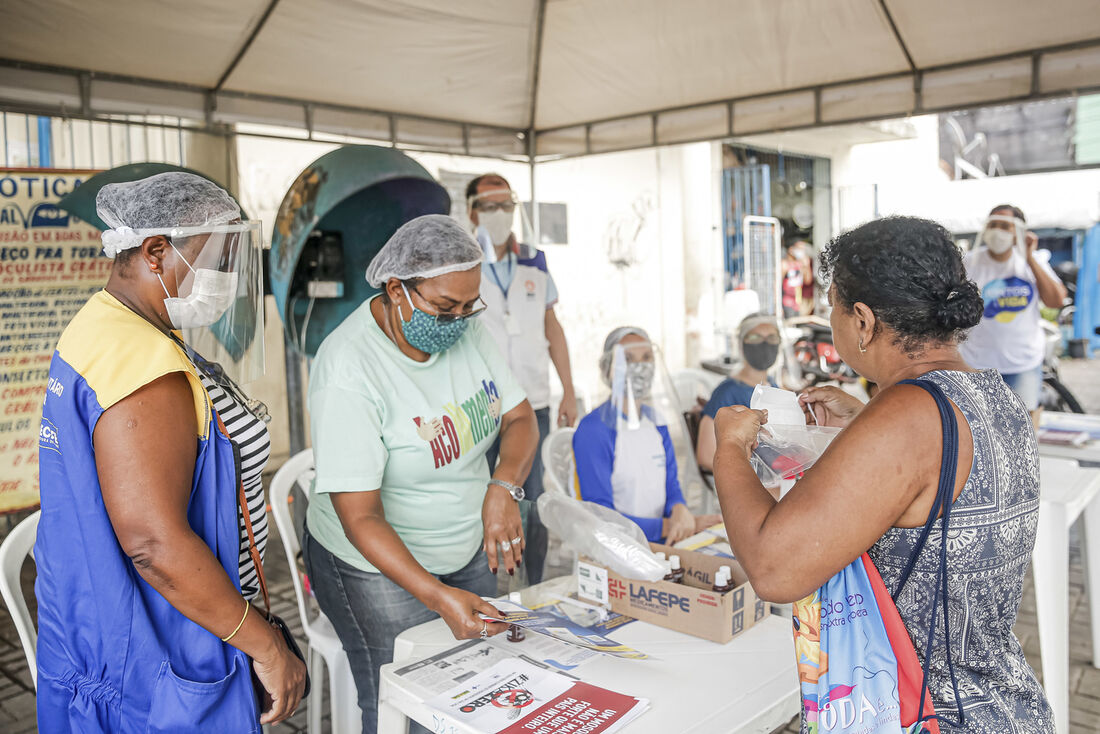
{"x": 654, "y": 210}
{"x": 657, "y": 203}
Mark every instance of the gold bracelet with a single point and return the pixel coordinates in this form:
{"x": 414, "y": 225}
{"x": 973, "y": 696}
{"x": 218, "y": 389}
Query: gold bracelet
{"x": 240, "y": 624}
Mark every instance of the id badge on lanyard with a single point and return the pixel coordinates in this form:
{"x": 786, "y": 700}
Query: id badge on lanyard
{"x": 511, "y": 321}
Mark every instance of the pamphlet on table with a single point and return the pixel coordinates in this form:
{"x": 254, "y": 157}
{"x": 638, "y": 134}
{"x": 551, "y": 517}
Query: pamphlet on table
{"x": 562, "y": 629}
{"x": 515, "y": 697}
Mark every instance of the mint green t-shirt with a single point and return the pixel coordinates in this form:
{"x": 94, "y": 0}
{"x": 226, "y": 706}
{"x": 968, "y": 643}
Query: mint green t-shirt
{"x": 415, "y": 431}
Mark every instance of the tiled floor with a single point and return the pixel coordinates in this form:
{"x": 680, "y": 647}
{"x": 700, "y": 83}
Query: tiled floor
{"x": 17, "y": 694}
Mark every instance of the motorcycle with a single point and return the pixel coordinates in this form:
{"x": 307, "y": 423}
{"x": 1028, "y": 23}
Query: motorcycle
{"x": 1054, "y": 394}
{"x": 812, "y": 357}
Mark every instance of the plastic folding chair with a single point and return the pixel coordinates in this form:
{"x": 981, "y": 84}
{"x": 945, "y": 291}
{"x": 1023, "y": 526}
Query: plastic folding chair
{"x": 324, "y": 646}
{"x": 13, "y": 552}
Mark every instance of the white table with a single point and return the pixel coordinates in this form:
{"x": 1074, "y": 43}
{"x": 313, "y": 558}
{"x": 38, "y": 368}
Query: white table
{"x": 1088, "y": 454}
{"x": 750, "y": 684}
{"x": 1067, "y": 492}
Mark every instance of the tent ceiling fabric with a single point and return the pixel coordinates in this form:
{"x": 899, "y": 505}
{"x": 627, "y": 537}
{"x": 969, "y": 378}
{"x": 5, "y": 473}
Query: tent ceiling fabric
{"x": 191, "y": 42}
{"x": 436, "y": 58}
{"x": 593, "y": 66}
{"x": 611, "y": 74}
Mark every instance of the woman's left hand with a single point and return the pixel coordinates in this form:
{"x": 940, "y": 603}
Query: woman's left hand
{"x": 738, "y": 426}
{"x": 503, "y": 529}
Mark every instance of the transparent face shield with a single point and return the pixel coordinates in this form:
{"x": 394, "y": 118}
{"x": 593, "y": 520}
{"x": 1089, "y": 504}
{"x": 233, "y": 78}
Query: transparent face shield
{"x": 1003, "y": 232}
{"x": 500, "y": 217}
{"x": 218, "y": 306}
{"x": 641, "y": 397}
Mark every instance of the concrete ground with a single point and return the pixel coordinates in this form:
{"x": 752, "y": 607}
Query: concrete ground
{"x": 17, "y": 693}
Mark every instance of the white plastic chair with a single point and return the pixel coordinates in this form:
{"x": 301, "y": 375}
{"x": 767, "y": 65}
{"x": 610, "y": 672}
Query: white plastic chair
{"x": 13, "y": 552}
{"x": 557, "y": 461}
{"x": 692, "y": 383}
{"x": 557, "y": 476}
{"x": 324, "y": 645}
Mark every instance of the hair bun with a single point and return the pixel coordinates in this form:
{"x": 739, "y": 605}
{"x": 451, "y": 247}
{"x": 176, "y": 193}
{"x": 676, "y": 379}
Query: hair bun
{"x": 961, "y": 307}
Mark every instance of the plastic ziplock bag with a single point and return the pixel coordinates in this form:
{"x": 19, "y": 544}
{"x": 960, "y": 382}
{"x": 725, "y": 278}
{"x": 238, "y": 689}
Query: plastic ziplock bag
{"x": 603, "y": 535}
{"x": 785, "y": 452}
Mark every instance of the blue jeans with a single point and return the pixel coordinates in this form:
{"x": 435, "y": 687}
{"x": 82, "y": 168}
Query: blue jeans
{"x": 1027, "y": 385}
{"x": 369, "y": 611}
{"x": 534, "y": 532}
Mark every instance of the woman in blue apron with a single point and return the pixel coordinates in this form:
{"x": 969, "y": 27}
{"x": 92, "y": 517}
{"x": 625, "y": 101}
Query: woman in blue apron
{"x": 147, "y": 456}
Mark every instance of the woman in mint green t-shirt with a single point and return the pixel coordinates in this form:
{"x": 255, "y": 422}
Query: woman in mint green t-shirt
{"x": 406, "y": 396}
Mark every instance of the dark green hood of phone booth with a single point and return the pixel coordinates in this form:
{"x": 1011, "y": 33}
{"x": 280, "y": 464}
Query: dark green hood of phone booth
{"x": 357, "y": 195}
{"x": 80, "y": 202}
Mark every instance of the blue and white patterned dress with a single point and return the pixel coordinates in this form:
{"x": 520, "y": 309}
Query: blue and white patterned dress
{"x": 989, "y": 543}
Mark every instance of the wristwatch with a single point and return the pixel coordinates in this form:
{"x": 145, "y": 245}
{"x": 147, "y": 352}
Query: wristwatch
{"x": 516, "y": 492}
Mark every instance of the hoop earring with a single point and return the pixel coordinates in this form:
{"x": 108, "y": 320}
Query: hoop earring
{"x": 861, "y": 349}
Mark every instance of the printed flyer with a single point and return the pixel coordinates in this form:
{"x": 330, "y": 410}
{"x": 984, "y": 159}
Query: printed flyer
{"x": 515, "y": 697}
{"x": 563, "y": 629}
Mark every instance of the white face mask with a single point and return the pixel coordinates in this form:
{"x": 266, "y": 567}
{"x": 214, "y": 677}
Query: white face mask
{"x": 498, "y": 224}
{"x": 999, "y": 241}
{"x": 211, "y": 296}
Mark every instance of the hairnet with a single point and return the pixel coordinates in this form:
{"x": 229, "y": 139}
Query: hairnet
{"x": 751, "y": 321}
{"x": 613, "y": 339}
{"x": 157, "y": 204}
{"x": 431, "y": 245}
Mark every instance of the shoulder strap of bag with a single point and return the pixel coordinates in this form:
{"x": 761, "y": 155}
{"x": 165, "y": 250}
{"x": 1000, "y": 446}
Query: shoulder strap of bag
{"x": 945, "y": 493}
{"x": 253, "y": 550}
{"x": 948, "y": 469}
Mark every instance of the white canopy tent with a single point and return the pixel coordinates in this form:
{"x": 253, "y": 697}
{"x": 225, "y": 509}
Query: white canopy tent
{"x": 533, "y": 79}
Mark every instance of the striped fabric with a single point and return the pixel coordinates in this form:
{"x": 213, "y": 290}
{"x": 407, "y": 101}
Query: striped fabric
{"x": 250, "y": 435}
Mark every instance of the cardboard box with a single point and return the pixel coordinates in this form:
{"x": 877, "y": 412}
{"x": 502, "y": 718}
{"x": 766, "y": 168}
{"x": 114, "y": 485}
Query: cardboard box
{"x": 690, "y": 607}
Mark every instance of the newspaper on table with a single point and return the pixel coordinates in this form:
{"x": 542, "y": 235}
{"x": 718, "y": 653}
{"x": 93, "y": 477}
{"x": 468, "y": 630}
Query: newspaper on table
{"x": 451, "y": 667}
{"x": 515, "y": 697}
{"x": 562, "y": 629}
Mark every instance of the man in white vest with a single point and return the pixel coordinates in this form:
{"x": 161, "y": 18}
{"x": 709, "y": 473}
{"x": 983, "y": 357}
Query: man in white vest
{"x": 520, "y": 295}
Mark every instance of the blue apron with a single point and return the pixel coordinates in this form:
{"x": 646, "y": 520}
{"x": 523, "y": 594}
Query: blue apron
{"x": 113, "y": 654}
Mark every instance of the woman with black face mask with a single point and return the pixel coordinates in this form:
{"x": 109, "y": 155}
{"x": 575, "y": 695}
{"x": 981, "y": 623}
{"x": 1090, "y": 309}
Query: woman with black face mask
{"x": 759, "y": 338}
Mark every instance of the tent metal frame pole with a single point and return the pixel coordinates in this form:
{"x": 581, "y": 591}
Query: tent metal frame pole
{"x": 234, "y": 94}
{"x": 532, "y": 109}
{"x": 218, "y": 130}
{"x": 811, "y": 125}
{"x": 897, "y": 36}
{"x": 84, "y": 80}
{"x": 246, "y": 45}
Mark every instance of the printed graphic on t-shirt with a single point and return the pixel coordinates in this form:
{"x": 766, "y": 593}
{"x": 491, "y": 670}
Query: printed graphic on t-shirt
{"x": 462, "y": 425}
{"x": 1005, "y": 298}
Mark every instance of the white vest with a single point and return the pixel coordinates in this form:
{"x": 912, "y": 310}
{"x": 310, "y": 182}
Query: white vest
{"x": 518, "y": 323}
{"x": 639, "y": 477}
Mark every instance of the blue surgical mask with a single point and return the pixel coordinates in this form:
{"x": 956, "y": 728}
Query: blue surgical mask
{"x": 425, "y": 333}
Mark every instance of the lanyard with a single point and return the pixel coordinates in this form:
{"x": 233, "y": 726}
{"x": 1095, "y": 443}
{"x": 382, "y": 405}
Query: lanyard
{"x": 500, "y": 285}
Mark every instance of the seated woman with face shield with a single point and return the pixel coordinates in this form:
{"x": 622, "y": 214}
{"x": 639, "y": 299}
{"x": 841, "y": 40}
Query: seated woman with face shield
{"x": 623, "y": 450}
{"x": 758, "y": 335}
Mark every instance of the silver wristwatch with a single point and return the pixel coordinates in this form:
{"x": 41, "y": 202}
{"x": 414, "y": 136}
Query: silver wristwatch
{"x": 516, "y": 492}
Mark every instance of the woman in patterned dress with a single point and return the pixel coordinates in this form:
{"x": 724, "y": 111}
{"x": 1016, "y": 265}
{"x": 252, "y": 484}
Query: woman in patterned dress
{"x": 901, "y": 303}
